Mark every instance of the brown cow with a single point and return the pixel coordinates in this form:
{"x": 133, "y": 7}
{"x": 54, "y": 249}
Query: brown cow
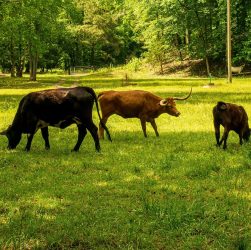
{"x": 231, "y": 117}
{"x": 136, "y": 104}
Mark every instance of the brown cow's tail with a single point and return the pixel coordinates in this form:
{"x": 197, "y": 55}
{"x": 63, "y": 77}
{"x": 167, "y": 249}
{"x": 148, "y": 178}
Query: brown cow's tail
{"x": 91, "y": 91}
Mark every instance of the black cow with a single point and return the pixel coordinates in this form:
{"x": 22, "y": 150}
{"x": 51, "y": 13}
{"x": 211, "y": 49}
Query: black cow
{"x": 58, "y": 108}
{"x": 231, "y": 117}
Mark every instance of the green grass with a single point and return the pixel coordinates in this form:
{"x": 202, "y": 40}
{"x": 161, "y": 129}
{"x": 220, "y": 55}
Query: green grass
{"x": 177, "y": 191}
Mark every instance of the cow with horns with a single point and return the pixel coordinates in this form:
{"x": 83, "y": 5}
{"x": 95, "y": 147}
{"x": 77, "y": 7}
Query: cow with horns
{"x": 136, "y": 104}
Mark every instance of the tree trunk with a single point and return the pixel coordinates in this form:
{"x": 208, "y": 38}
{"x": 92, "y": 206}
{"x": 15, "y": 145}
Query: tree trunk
{"x": 92, "y": 58}
{"x": 12, "y": 59}
{"x": 20, "y": 59}
{"x": 19, "y": 69}
{"x": 208, "y": 66}
{"x": 20, "y": 66}
{"x": 178, "y": 45}
{"x": 33, "y": 66}
{"x": 161, "y": 67}
{"x": 187, "y": 37}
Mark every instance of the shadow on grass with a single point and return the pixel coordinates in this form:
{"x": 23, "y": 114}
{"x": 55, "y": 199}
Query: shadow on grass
{"x": 179, "y": 183}
{"x": 105, "y": 82}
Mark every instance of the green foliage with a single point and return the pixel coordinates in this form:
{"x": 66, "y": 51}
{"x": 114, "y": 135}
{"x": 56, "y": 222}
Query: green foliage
{"x": 102, "y": 32}
{"x": 177, "y": 191}
{"x": 134, "y": 64}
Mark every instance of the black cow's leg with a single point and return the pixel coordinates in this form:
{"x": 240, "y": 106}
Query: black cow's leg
{"x": 81, "y": 135}
{"x": 224, "y": 138}
{"x": 143, "y": 125}
{"x": 45, "y": 134}
{"x": 154, "y": 127}
{"x": 29, "y": 140}
{"x": 217, "y": 132}
{"x": 94, "y": 132}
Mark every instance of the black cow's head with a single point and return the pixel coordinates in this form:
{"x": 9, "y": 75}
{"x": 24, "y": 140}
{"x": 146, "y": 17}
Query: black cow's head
{"x": 13, "y": 135}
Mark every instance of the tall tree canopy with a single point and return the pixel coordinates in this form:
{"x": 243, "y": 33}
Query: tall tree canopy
{"x": 63, "y": 33}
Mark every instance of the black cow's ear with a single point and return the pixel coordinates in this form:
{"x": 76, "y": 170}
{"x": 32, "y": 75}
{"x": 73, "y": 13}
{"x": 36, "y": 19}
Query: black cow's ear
{"x": 222, "y": 106}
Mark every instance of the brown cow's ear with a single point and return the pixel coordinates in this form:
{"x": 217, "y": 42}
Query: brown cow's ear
{"x": 222, "y": 106}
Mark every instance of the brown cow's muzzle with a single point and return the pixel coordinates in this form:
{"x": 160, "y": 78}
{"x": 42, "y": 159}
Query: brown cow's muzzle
{"x": 177, "y": 114}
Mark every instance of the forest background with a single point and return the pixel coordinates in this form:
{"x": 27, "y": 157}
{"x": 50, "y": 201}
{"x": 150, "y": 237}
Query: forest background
{"x": 38, "y": 36}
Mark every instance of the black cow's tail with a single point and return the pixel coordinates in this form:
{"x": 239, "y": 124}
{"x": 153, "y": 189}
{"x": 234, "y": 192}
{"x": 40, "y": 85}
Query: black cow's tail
{"x": 91, "y": 91}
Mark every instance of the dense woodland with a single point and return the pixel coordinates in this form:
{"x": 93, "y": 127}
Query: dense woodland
{"x": 38, "y": 35}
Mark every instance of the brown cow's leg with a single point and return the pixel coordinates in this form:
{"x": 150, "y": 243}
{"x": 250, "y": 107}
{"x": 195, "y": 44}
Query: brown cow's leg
{"x": 101, "y": 129}
{"x": 45, "y": 134}
{"x": 224, "y": 138}
{"x": 154, "y": 127}
{"x": 143, "y": 125}
{"x": 81, "y": 135}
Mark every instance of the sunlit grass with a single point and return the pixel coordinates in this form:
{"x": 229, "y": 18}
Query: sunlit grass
{"x": 177, "y": 191}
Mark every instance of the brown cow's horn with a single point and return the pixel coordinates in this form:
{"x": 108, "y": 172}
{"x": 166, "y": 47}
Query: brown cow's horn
{"x": 184, "y": 98}
{"x": 163, "y": 102}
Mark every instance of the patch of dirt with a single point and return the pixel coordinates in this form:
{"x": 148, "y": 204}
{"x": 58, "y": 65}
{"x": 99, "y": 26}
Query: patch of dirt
{"x": 190, "y": 68}
{"x": 184, "y": 68}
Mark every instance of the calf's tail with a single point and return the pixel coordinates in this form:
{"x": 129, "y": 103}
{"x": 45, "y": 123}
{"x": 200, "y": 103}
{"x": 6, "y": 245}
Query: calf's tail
{"x": 91, "y": 91}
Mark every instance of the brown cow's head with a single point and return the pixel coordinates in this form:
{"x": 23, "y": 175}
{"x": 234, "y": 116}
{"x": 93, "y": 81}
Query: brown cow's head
{"x": 13, "y": 135}
{"x": 170, "y": 105}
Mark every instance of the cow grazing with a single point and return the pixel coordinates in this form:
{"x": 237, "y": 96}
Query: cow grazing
{"x": 231, "y": 117}
{"x": 237, "y": 70}
{"x": 136, "y": 104}
{"x": 58, "y": 108}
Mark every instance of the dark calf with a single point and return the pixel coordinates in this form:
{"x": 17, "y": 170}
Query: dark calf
{"x": 231, "y": 117}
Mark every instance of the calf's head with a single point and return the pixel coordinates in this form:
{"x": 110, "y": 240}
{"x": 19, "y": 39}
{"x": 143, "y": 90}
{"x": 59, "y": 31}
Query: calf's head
{"x": 13, "y": 135}
{"x": 170, "y": 105}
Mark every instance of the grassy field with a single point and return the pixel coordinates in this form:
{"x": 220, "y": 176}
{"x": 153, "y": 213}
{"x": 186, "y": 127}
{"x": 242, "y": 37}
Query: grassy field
{"x": 177, "y": 191}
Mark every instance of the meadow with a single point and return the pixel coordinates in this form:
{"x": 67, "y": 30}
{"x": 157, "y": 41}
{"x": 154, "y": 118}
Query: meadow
{"x": 178, "y": 191}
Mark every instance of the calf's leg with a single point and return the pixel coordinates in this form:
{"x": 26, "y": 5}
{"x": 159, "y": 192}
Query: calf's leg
{"x": 45, "y": 134}
{"x": 224, "y": 138}
{"x": 217, "y": 132}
